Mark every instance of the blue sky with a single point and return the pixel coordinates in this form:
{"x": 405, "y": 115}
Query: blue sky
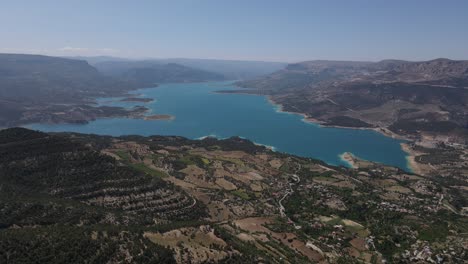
{"x": 288, "y": 30}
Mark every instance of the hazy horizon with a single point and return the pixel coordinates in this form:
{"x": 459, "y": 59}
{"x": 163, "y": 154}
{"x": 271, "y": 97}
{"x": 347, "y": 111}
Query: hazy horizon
{"x": 273, "y": 31}
{"x": 209, "y": 59}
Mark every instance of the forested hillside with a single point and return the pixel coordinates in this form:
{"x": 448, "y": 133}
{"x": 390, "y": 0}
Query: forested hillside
{"x": 80, "y": 198}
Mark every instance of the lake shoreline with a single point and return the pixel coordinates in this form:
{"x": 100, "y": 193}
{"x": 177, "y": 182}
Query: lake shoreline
{"x": 410, "y": 157}
{"x": 349, "y": 158}
{"x": 138, "y": 99}
{"x": 159, "y": 117}
{"x": 320, "y": 123}
{"x": 415, "y": 166}
{"x": 280, "y": 108}
{"x": 199, "y": 113}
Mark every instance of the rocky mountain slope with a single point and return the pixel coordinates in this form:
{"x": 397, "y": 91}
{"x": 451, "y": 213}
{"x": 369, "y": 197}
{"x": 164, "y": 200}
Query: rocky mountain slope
{"x": 86, "y": 198}
{"x": 315, "y": 74}
{"x": 39, "y": 78}
{"x": 404, "y": 96}
{"x": 36, "y": 88}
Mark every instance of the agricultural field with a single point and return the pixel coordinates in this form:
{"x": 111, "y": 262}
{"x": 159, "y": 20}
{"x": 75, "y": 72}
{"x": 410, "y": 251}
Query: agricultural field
{"x": 215, "y": 200}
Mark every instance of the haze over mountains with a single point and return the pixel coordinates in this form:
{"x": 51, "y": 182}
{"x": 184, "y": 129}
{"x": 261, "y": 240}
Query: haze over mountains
{"x": 147, "y": 74}
{"x": 230, "y": 69}
{"x": 36, "y": 88}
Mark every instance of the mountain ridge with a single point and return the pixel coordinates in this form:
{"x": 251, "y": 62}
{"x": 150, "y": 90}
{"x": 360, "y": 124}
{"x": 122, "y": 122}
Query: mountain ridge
{"x": 230, "y": 69}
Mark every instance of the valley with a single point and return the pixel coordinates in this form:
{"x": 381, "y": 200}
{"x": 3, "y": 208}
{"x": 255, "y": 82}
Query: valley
{"x": 391, "y": 186}
{"x": 234, "y": 132}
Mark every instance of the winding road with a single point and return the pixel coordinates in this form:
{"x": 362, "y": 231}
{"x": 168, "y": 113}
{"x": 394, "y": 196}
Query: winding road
{"x": 289, "y": 191}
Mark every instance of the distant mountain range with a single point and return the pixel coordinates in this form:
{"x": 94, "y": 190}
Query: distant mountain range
{"x": 230, "y": 69}
{"x": 147, "y": 73}
{"x": 298, "y": 75}
{"x": 36, "y": 88}
{"x": 39, "y": 78}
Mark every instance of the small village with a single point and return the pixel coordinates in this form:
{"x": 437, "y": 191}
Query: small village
{"x": 301, "y": 210}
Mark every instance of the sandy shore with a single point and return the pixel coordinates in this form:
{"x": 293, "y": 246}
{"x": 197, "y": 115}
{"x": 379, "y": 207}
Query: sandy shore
{"x": 159, "y": 117}
{"x": 306, "y": 118}
{"x": 382, "y": 130}
{"x": 348, "y": 157}
{"x": 416, "y": 167}
{"x": 136, "y": 99}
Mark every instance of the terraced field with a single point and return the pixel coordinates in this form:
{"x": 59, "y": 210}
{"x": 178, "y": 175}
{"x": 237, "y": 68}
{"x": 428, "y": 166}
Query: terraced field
{"x": 169, "y": 199}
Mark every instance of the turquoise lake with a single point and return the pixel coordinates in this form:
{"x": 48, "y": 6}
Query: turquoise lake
{"x": 199, "y": 111}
